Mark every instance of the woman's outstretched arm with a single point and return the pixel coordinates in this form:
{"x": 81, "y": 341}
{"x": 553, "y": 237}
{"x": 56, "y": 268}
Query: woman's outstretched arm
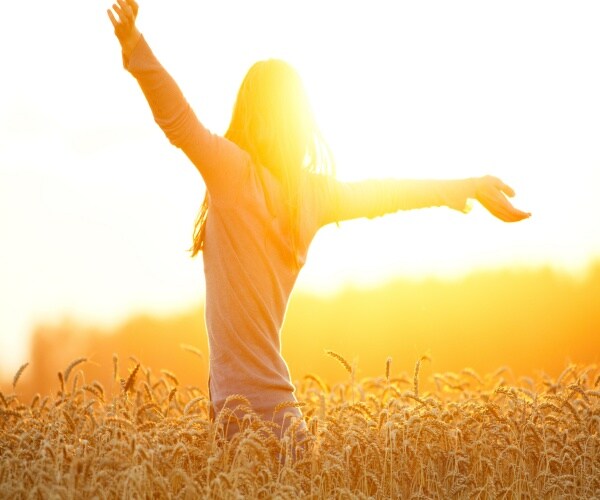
{"x": 220, "y": 162}
{"x": 372, "y": 198}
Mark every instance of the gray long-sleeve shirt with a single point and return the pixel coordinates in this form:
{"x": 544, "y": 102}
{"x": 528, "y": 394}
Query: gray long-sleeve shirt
{"x": 248, "y": 250}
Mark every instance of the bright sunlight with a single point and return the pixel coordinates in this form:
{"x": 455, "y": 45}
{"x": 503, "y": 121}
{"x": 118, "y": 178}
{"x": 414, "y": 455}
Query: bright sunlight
{"x": 424, "y": 353}
{"x": 421, "y": 93}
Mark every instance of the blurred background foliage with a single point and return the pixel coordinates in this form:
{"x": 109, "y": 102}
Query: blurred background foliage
{"x": 531, "y": 320}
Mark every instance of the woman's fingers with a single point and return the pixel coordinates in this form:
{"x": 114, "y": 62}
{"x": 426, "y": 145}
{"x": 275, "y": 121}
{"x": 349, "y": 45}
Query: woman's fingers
{"x": 118, "y": 16}
{"x": 491, "y": 195}
{"x": 490, "y": 180}
{"x": 111, "y": 16}
{"x": 134, "y": 7}
{"x": 127, "y": 10}
{"x": 497, "y": 204}
{"x": 123, "y": 18}
{"x": 506, "y": 189}
{"x": 125, "y": 14}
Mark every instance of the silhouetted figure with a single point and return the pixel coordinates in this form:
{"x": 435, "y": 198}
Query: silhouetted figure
{"x": 270, "y": 188}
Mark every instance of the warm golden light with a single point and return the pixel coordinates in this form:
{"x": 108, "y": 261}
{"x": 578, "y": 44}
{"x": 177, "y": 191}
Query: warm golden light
{"x": 92, "y": 195}
{"x": 428, "y": 353}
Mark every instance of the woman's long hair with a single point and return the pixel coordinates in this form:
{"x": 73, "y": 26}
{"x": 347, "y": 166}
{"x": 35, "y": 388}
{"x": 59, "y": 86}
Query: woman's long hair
{"x": 272, "y": 121}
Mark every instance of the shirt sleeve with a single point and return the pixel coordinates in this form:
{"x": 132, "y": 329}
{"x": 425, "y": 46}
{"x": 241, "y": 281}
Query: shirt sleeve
{"x": 372, "y": 198}
{"x": 221, "y": 163}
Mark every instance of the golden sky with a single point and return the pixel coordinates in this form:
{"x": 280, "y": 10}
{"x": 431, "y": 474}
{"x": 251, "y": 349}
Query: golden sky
{"x": 96, "y": 207}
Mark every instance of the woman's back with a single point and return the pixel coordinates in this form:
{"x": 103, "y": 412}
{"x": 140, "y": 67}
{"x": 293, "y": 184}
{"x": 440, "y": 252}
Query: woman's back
{"x": 251, "y": 265}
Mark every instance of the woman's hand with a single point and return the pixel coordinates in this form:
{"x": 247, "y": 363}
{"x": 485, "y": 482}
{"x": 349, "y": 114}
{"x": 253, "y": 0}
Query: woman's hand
{"x": 490, "y": 192}
{"x": 124, "y": 24}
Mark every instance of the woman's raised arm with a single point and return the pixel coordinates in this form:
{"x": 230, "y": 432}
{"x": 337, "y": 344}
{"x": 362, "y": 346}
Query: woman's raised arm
{"x": 221, "y": 163}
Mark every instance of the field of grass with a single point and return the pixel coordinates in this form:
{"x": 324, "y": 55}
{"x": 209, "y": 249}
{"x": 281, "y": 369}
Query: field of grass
{"x": 470, "y": 436}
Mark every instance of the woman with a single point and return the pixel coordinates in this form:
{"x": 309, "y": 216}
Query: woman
{"x": 269, "y": 189}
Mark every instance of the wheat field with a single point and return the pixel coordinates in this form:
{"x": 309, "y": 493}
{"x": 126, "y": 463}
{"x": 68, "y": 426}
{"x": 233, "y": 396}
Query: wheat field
{"x": 470, "y": 436}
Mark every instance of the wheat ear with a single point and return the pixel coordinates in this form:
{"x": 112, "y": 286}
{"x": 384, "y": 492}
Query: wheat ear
{"x": 341, "y": 359}
{"x": 72, "y": 365}
{"x": 18, "y": 374}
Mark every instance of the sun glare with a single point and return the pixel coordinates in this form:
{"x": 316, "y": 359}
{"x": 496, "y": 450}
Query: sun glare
{"x": 124, "y": 378}
{"x": 450, "y": 91}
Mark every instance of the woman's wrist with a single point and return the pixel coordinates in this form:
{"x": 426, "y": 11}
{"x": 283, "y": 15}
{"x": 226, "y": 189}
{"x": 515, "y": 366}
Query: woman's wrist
{"x": 130, "y": 42}
{"x": 471, "y": 186}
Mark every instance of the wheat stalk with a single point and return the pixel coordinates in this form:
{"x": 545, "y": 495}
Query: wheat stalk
{"x": 540, "y": 439}
{"x": 115, "y": 360}
{"x": 69, "y": 421}
{"x": 171, "y": 376}
{"x": 416, "y": 375}
{"x": 341, "y": 359}
{"x": 193, "y": 350}
{"x": 191, "y": 403}
{"x": 287, "y": 404}
{"x": 72, "y": 365}
{"x": 62, "y": 383}
{"x": 317, "y": 380}
{"x": 18, "y": 374}
{"x": 128, "y": 385}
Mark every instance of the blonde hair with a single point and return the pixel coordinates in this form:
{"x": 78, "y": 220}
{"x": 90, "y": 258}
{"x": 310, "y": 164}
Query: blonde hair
{"x": 272, "y": 120}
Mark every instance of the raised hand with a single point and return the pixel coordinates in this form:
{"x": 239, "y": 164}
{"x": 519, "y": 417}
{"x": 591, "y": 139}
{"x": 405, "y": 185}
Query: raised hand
{"x": 490, "y": 192}
{"x": 123, "y": 20}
